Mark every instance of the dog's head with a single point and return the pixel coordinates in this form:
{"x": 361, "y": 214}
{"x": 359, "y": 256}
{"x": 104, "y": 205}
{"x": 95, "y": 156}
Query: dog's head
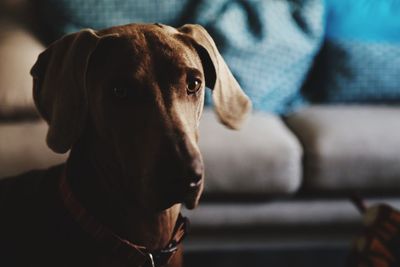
{"x": 137, "y": 91}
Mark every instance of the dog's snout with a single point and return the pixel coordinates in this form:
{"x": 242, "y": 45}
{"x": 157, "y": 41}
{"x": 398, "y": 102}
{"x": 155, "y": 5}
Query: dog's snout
{"x": 195, "y": 172}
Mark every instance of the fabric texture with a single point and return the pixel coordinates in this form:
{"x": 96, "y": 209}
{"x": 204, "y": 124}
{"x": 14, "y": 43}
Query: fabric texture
{"x": 262, "y": 158}
{"x": 280, "y": 213}
{"x": 23, "y": 148}
{"x": 66, "y": 16}
{"x": 18, "y": 52}
{"x": 269, "y": 45}
{"x": 360, "y": 59}
{"x": 349, "y": 147}
{"x": 366, "y": 20}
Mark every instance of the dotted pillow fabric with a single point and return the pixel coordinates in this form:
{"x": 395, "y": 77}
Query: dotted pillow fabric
{"x": 360, "y": 59}
{"x": 268, "y": 45}
{"x": 66, "y": 16}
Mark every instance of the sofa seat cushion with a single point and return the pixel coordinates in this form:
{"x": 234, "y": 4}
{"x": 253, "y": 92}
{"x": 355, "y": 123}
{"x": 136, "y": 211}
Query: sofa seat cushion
{"x": 264, "y": 157}
{"x": 283, "y": 213}
{"x": 349, "y": 147}
{"x": 23, "y": 147}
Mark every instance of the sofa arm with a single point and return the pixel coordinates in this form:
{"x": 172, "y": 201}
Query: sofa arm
{"x": 19, "y": 49}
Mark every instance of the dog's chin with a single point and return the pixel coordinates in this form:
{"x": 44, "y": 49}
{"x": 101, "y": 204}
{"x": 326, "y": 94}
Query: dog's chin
{"x": 190, "y": 201}
{"x": 191, "y": 204}
{"x": 188, "y": 197}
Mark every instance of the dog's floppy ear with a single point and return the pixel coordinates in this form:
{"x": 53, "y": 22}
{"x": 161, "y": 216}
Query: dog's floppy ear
{"x": 59, "y": 87}
{"x": 230, "y": 103}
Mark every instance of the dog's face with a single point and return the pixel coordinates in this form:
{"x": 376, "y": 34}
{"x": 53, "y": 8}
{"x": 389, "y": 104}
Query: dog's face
{"x": 140, "y": 94}
{"x": 146, "y": 91}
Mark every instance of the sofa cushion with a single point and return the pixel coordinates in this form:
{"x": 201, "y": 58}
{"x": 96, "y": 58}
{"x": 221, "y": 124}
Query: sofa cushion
{"x": 66, "y": 16}
{"x": 269, "y": 46}
{"x": 360, "y": 59}
{"x": 282, "y": 213}
{"x": 263, "y": 157}
{"x": 349, "y": 147}
{"x": 23, "y": 147}
{"x": 18, "y": 52}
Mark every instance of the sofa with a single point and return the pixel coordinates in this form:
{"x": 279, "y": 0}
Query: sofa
{"x": 282, "y": 181}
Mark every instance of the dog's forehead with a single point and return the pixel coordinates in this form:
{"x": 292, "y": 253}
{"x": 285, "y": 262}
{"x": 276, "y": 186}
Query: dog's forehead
{"x": 152, "y": 38}
{"x": 134, "y": 28}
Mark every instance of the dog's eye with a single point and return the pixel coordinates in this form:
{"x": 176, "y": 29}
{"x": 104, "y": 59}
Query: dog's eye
{"x": 193, "y": 85}
{"x": 120, "y": 92}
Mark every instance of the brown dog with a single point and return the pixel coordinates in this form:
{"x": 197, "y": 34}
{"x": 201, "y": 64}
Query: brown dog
{"x": 127, "y": 102}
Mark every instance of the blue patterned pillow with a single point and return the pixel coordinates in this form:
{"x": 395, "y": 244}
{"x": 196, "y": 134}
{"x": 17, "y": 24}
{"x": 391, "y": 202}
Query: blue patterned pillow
{"x": 360, "y": 59}
{"x": 269, "y": 45}
{"x": 65, "y": 16}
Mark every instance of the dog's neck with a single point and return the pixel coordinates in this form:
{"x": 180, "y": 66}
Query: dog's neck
{"x": 130, "y": 221}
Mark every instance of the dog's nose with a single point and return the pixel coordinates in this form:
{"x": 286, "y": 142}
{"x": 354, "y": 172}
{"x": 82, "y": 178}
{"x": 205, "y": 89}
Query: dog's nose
{"x": 195, "y": 173}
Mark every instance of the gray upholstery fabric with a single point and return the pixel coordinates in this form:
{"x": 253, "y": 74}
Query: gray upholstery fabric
{"x": 19, "y": 50}
{"x": 263, "y": 157}
{"x": 349, "y": 147}
{"x": 23, "y": 147}
{"x": 283, "y": 213}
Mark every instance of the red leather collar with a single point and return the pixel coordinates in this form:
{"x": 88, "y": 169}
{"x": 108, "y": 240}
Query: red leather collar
{"x": 135, "y": 254}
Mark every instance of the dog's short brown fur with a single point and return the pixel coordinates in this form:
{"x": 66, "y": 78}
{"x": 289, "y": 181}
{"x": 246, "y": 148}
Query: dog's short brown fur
{"x": 127, "y": 102}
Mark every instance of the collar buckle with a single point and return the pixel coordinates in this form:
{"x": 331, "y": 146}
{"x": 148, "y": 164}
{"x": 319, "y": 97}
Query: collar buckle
{"x": 150, "y": 259}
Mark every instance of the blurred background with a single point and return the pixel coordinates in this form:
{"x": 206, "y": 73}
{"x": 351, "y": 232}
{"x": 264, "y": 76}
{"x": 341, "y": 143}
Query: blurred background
{"x": 324, "y": 79}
